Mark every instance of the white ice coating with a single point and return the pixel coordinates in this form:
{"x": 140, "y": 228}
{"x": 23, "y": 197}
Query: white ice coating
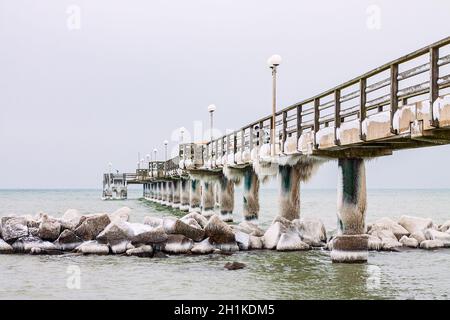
{"x": 400, "y": 114}
{"x": 290, "y": 145}
{"x": 306, "y": 142}
{"x": 381, "y": 117}
{"x": 238, "y": 157}
{"x": 439, "y": 105}
{"x": 322, "y": 133}
{"x": 348, "y": 256}
{"x": 347, "y": 125}
{"x": 254, "y": 154}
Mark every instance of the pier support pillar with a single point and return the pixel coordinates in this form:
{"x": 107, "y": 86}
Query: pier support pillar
{"x": 289, "y": 197}
{"x": 176, "y": 193}
{"x": 251, "y": 195}
{"x": 195, "y": 195}
{"x": 152, "y": 190}
{"x": 163, "y": 193}
{"x": 159, "y": 192}
{"x": 351, "y": 244}
{"x": 208, "y": 200}
{"x": 184, "y": 194}
{"x": 169, "y": 193}
{"x": 226, "y": 198}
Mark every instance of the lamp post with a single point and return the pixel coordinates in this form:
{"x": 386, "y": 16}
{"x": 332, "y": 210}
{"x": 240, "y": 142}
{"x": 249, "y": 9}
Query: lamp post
{"x": 211, "y": 109}
{"x": 273, "y": 62}
{"x": 155, "y": 151}
{"x": 165, "y": 155}
{"x": 182, "y": 129}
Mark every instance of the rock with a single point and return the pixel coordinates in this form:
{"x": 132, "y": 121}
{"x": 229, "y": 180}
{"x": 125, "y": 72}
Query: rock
{"x": 227, "y": 247}
{"x": 285, "y": 222}
{"x": 201, "y": 220}
{"x": 121, "y": 214}
{"x": 91, "y": 227}
{"x": 71, "y": 219}
{"x": 418, "y": 235}
{"x": 388, "y": 244}
{"x": 49, "y": 229}
{"x": 153, "y": 221}
{"x": 13, "y": 228}
{"x": 117, "y": 231}
{"x": 312, "y": 231}
{"x": 169, "y": 224}
{"x": 250, "y": 228}
{"x": 191, "y": 232}
{"x": 431, "y": 234}
{"x": 291, "y": 241}
{"x": 383, "y": 234}
{"x": 121, "y": 246}
{"x": 32, "y": 231}
{"x": 272, "y": 235}
{"x": 145, "y": 251}
{"x": 374, "y": 243}
{"x": 25, "y": 244}
{"x": 193, "y": 223}
{"x": 67, "y": 240}
{"x": 234, "y": 265}
{"x": 159, "y": 254}
{"x": 409, "y": 242}
{"x": 219, "y": 232}
{"x": 431, "y": 244}
{"x": 93, "y": 247}
{"x": 178, "y": 243}
{"x": 255, "y": 242}
{"x": 148, "y": 235}
{"x": 203, "y": 247}
{"x": 31, "y": 222}
{"x": 5, "y": 247}
{"x": 39, "y": 250}
{"x": 389, "y": 224}
{"x": 445, "y": 226}
{"x": 242, "y": 239}
{"x": 415, "y": 224}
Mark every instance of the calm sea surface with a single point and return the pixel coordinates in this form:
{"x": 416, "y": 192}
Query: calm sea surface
{"x": 414, "y": 274}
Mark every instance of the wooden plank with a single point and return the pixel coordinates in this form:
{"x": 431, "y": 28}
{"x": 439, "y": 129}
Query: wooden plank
{"x": 283, "y": 138}
{"x": 316, "y": 119}
{"x": 337, "y": 114}
{"x": 434, "y": 76}
{"x": 362, "y": 106}
{"x": 299, "y": 121}
{"x": 393, "y": 94}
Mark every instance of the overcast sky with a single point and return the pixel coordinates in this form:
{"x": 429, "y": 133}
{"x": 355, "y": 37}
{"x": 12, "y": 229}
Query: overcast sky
{"x": 79, "y": 91}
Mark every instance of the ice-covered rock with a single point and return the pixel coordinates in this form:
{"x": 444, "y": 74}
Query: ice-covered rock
{"x": 374, "y": 243}
{"x": 418, "y": 235}
{"x": 5, "y": 247}
{"x": 409, "y": 242}
{"x": 49, "y": 229}
{"x": 201, "y": 220}
{"x": 388, "y": 244}
{"x": 121, "y": 246}
{"x": 227, "y": 247}
{"x": 256, "y": 242}
{"x": 218, "y": 231}
{"x": 91, "y": 227}
{"x": 117, "y": 231}
{"x": 144, "y": 251}
{"x": 146, "y": 234}
{"x": 121, "y": 214}
{"x": 242, "y": 239}
{"x": 25, "y": 244}
{"x": 273, "y": 234}
{"x": 251, "y": 228}
{"x": 431, "y": 244}
{"x": 291, "y": 241}
{"x": 178, "y": 243}
{"x": 431, "y": 234}
{"x": 203, "y": 247}
{"x": 445, "y": 227}
{"x": 389, "y": 224}
{"x": 93, "y": 247}
{"x": 71, "y": 219}
{"x": 415, "y": 224}
{"x": 67, "y": 240}
{"x": 179, "y": 227}
{"x": 32, "y": 231}
{"x": 312, "y": 231}
{"x": 383, "y": 233}
{"x": 13, "y": 228}
{"x": 153, "y": 221}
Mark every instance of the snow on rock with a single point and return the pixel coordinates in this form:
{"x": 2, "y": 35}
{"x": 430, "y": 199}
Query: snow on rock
{"x": 143, "y": 251}
{"x": 431, "y": 234}
{"x": 291, "y": 241}
{"x": 273, "y": 234}
{"x": 409, "y": 242}
{"x": 389, "y": 224}
{"x": 203, "y": 247}
{"x": 5, "y": 247}
{"x": 415, "y": 224}
{"x": 311, "y": 230}
{"x": 13, "y": 228}
{"x": 431, "y": 244}
{"x": 374, "y": 243}
{"x": 49, "y": 228}
{"x": 177, "y": 243}
{"x": 93, "y": 247}
{"x": 122, "y": 214}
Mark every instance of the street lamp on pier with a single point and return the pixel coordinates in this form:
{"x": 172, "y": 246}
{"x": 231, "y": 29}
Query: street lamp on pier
{"x": 273, "y": 62}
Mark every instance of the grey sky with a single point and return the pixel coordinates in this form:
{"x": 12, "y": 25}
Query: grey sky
{"x": 73, "y": 100}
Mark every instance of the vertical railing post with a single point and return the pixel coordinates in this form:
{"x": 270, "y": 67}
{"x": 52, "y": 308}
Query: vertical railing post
{"x": 434, "y": 87}
{"x": 394, "y": 91}
{"x": 250, "y": 138}
{"x": 235, "y": 149}
{"x": 284, "y": 136}
{"x": 316, "y": 119}
{"x": 362, "y": 106}
{"x": 261, "y": 133}
{"x": 299, "y": 122}
{"x": 337, "y": 115}
{"x": 242, "y": 141}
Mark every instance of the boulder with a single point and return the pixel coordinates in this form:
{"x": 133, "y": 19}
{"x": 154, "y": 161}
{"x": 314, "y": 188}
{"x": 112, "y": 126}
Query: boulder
{"x": 13, "y": 228}
{"x": 117, "y": 231}
{"x": 445, "y": 226}
{"x": 120, "y": 246}
{"x": 431, "y": 244}
{"x": 432, "y": 234}
{"x": 168, "y": 224}
{"x": 389, "y": 224}
{"x": 25, "y": 244}
{"x": 179, "y": 227}
{"x": 227, "y": 247}
{"x": 388, "y": 244}
{"x": 242, "y": 239}
{"x": 32, "y": 231}
{"x": 144, "y": 251}
{"x": 374, "y": 243}
{"x": 153, "y": 221}
{"x": 415, "y": 224}
{"x": 219, "y": 232}
{"x": 145, "y": 234}
{"x": 285, "y": 222}
{"x": 203, "y": 247}
{"x": 49, "y": 229}
{"x": 178, "y": 243}
{"x": 31, "y": 222}
{"x": 93, "y": 247}
{"x": 383, "y": 234}
{"x": 255, "y": 242}
{"x": 67, "y": 240}
{"x": 121, "y": 214}
{"x": 5, "y": 247}
{"x": 71, "y": 219}
{"x": 409, "y": 242}
{"x": 291, "y": 241}
{"x": 272, "y": 235}
{"x": 234, "y": 265}
{"x": 250, "y": 228}
{"x": 312, "y": 231}
{"x": 418, "y": 235}
{"x": 193, "y": 223}
{"x": 91, "y": 227}
{"x": 201, "y": 220}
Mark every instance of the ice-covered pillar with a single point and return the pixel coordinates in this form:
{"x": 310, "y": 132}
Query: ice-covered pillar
{"x": 176, "y": 193}
{"x": 350, "y": 245}
{"x": 226, "y": 199}
{"x": 251, "y": 195}
{"x": 289, "y": 197}
{"x": 152, "y": 190}
{"x": 159, "y": 191}
{"x": 208, "y": 200}
{"x": 195, "y": 196}
{"x": 164, "y": 192}
{"x": 184, "y": 194}
{"x": 169, "y": 193}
